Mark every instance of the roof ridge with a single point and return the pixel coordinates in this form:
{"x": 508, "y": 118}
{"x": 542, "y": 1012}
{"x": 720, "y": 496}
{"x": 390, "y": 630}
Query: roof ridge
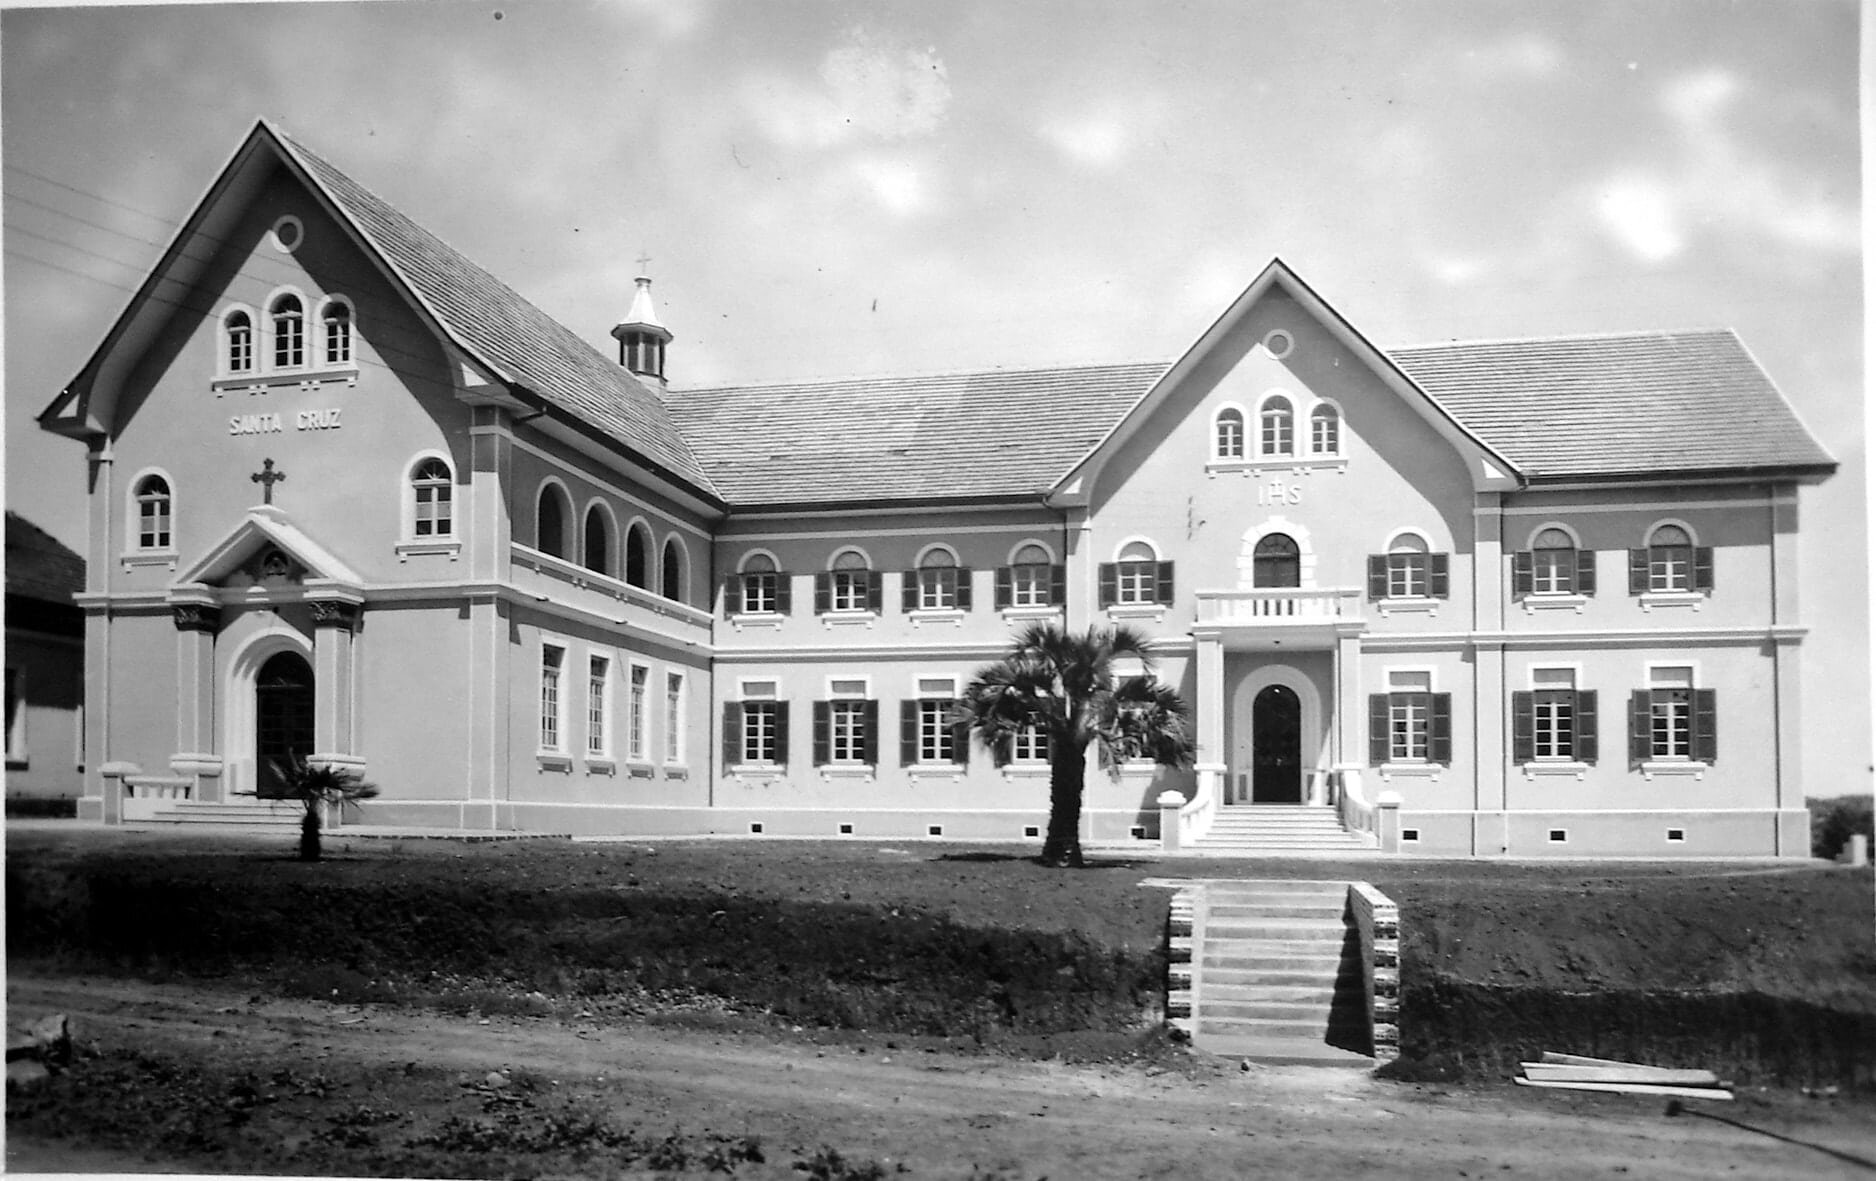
{"x": 1568, "y": 337}
{"x": 917, "y": 375}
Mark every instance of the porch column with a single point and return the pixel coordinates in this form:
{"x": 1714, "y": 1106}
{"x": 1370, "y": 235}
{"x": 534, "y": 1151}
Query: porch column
{"x": 1350, "y": 735}
{"x": 1208, "y": 690}
{"x": 196, "y": 759}
{"x": 335, "y": 710}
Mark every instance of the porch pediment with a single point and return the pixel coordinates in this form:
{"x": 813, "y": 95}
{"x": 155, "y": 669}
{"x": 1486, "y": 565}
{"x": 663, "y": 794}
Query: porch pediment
{"x": 237, "y": 560}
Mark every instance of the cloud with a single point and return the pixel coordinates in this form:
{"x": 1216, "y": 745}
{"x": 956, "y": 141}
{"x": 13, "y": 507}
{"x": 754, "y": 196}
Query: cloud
{"x": 1522, "y": 55}
{"x": 1098, "y": 142}
{"x": 897, "y": 184}
{"x": 1641, "y": 213}
{"x": 864, "y": 89}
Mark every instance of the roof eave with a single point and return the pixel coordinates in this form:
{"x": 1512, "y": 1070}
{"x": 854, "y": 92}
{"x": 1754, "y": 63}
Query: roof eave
{"x": 1809, "y": 473}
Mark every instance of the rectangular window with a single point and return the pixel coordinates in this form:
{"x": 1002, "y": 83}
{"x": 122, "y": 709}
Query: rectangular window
{"x": 153, "y": 523}
{"x": 635, "y": 713}
{"x": 338, "y": 339}
{"x": 1410, "y": 723}
{"x": 552, "y": 658}
{"x": 938, "y": 588}
{"x": 759, "y": 596}
{"x": 1671, "y": 712}
{"x": 1136, "y": 582}
{"x": 596, "y": 675}
{"x": 847, "y": 732}
{"x": 850, "y": 589}
{"x": 1553, "y": 713}
{"x": 432, "y": 515}
{"x": 1406, "y": 576}
{"x": 934, "y": 730}
{"x": 1553, "y": 571}
{"x": 1031, "y": 745}
{"x": 1029, "y": 584}
{"x": 674, "y": 717}
{"x": 761, "y": 731}
{"x": 1670, "y": 567}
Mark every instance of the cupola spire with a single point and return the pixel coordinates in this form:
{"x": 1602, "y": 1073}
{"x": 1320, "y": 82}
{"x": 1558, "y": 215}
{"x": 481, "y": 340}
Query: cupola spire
{"x": 641, "y": 337}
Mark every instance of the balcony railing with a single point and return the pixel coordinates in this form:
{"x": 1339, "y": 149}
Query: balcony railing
{"x": 1280, "y": 606}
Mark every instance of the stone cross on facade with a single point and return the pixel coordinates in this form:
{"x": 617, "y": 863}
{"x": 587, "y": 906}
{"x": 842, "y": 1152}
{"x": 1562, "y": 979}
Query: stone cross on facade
{"x": 267, "y": 477}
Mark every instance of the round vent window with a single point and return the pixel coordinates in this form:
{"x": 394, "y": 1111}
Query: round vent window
{"x": 1279, "y": 343}
{"x": 288, "y": 234}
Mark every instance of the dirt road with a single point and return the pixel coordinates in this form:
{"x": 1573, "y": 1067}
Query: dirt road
{"x": 387, "y": 1077}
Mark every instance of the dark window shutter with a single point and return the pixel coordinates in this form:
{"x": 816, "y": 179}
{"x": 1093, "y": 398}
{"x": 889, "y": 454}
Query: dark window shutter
{"x": 908, "y": 733}
{"x": 1705, "y": 725}
{"x": 1110, "y": 584}
{"x": 1641, "y": 738}
{"x": 1440, "y": 728}
{"x": 1638, "y": 571}
{"x": 1703, "y": 568}
{"x": 1437, "y": 576}
{"x": 784, "y": 592}
{"x": 823, "y": 731}
{"x": 823, "y": 592}
{"x": 1000, "y": 753}
{"x": 875, "y": 591}
{"x": 961, "y": 742}
{"x": 733, "y": 595}
{"x": 1523, "y": 726}
{"x": 1377, "y": 576}
{"x": 1586, "y": 572}
{"x": 1586, "y": 729}
{"x": 1058, "y": 585}
{"x": 964, "y": 588}
{"x": 781, "y": 733}
{"x": 908, "y": 591}
{"x": 1377, "y": 728}
{"x": 1523, "y": 566}
{"x": 870, "y": 741}
{"x": 732, "y": 733}
{"x": 1006, "y": 586}
{"x": 1165, "y": 579}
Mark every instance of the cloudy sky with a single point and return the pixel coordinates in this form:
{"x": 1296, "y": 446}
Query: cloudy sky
{"x": 830, "y": 188}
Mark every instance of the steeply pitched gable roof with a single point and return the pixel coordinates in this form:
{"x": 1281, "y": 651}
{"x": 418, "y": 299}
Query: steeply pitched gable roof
{"x": 498, "y": 326}
{"x": 957, "y": 436}
{"x": 1589, "y": 407}
{"x": 39, "y": 565}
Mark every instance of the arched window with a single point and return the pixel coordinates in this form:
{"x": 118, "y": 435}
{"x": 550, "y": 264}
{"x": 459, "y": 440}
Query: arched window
{"x": 935, "y": 587}
{"x": 431, "y": 486}
{"x": 1136, "y": 574}
{"x": 336, "y": 326}
{"x": 289, "y": 326}
{"x": 1031, "y": 578}
{"x": 1407, "y": 567}
{"x": 238, "y": 331}
{"x": 1553, "y": 563}
{"x": 598, "y": 555}
{"x": 760, "y": 589}
{"x": 1670, "y": 559}
{"x": 550, "y": 522}
{"x": 672, "y": 574}
{"x": 638, "y": 557}
{"x": 1325, "y": 431}
{"x": 1277, "y": 427}
{"x": 1276, "y": 562}
{"x": 153, "y": 508}
{"x": 1228, "y": 435}
{"x": 850, "y": 582}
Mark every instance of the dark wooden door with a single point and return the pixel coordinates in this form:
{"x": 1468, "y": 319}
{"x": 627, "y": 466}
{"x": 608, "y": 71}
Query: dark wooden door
{"x": 1277, "y": 747}
{"x": 283, "y": 717}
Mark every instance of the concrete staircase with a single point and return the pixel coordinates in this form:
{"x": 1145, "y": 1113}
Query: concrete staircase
{"x": 1274, "y": 973}
{"x": 281, "y": 816}
{"x": 1248, "y": 829}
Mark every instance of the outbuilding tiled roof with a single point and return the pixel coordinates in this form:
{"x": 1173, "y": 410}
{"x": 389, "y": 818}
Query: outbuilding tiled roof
{"x": 1001, "y": 433}
{"x": 509, "y": 332}
{"x": 39, "y": 565}
{"x": 1589, "y": 407}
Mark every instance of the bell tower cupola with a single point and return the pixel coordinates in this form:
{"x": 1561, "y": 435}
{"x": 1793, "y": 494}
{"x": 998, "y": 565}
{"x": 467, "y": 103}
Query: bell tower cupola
{"x": 641, "y": 337}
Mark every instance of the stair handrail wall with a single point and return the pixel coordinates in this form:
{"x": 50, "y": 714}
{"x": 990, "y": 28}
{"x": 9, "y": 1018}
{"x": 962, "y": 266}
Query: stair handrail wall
{"x": 1357, "y": 812}
{"x": 1377, "y": 924}
{"x": 1195, "y": 816}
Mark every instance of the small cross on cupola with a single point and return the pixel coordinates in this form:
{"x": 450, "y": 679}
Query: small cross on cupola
{"x": 641, "y": 337}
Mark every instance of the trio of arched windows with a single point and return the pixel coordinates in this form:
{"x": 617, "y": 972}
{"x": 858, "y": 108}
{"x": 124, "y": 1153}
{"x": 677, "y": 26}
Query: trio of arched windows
{"x": 598, "y": 549}
{"x": 1276, "y": 431}
{"x": 290, "y": 343}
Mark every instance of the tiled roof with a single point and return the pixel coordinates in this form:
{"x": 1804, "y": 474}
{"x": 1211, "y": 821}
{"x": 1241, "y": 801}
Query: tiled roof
{"x": 39, "y": 565}
{"x": 1002, "y": 433}
{"x": 1603, "y": 406}
{"x": 509, "y": 332}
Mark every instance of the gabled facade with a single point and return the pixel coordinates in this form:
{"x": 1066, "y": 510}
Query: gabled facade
{"x": 354, "y": 498}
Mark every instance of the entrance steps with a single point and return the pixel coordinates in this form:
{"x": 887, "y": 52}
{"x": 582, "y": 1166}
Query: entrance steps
{"x": 1275, "y": 974}
{"x": 257, "y": 815}
{"x": 1279, "y": 828}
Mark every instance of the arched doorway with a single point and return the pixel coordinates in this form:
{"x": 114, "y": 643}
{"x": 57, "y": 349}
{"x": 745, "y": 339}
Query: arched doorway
{"x": 1276, "y": 746}
{"x": 1276, "y": 562}
{"x": 283, "y": 717}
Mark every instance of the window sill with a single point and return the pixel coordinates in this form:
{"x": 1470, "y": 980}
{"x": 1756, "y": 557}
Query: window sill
{"x": 1138, "y": 767}
{"x": 553, "y": 760}
{"x": 1399, "y": 606}
{"x": 1560, "y": 767}
{"x": 1025, "y": 770}
{"x": 149, "y": 557}
{"x": 1674, "y": 767}
{"x": 1152, "y": 611}
{"x": 951, "y": 615}
{"x": 1555, "y": 602}
{"x": 258, "y": 382}
{"x": 594, "y": 765}
{"x": 849, "y": 618}
{"x": 1652, "y": 599}
{"x": 1300, "y": 464}
{"x": 744, "y": 619}
{"x": 935, "y": 771}
{"x": 640, "y": 770}
{"x": 758, "y": 770}
{"x": 1031, "y": 612}
{"x": 861, "y": 771}
{"x": 676, "y": 771}
{"x": 1411, "y": 770}
{"x": 406, "y": 549}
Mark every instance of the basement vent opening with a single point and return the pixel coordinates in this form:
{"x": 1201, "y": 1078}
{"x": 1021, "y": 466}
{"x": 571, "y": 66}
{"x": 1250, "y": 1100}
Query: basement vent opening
{"x": 934, "y": 830}
{"x": 846, "y": 830}
{"x": 1410, "y": 836}
{"x": 755, "y": 827}
{"x": 1031, "y": 831}
{"x": 1559, "y": 835}
{"x": 1676, "y": 834}
{"x": 1137, "y": 832}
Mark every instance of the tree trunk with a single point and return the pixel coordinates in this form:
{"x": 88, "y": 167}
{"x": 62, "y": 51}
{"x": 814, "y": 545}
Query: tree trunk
{"x": 309, "y": 834}
{"x": 1067, "y": 767}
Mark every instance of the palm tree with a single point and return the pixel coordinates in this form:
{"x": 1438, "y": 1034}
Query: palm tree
{"x": 1063, "y": 685}
{"x": 318, "y": 785}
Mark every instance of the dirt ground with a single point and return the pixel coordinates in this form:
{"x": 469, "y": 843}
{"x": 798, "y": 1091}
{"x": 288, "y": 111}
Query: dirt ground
{"x": 198, "y": 1079}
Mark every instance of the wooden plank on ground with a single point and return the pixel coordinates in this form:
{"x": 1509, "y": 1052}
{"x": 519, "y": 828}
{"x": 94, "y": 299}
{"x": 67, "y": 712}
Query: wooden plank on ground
{"x": 1620, "y": 1074}
{"x": 1630, "y": 1088}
